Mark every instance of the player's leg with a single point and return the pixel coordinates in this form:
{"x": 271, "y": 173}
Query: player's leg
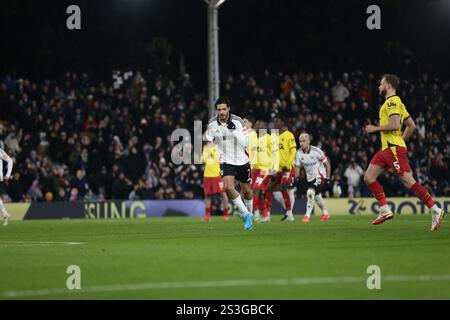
{"x": 273, "y": 186}
{"x": 291, "y": 189}
{"x": 247, "y": 195}
{"x": 286, "y": 181}
{"x": 262, "y": 206}
{"x": 422, "y": 193}
{"x": 321, "y": 203}
{"x": 256, "y": 208}
{"x": 287, "y": 204}
{"x": 376, "y": 167}
{"x": 264, "y": 186}
{"x": 310, "y": 201}
{"x": 291, "y": 192}
{"x": 256, "y": 193}
{"x": 225, "y": 206}
{"x": 277, "y": 195}
{"x": 5, "y": 213}
{"x": 233, "y": 195}
{"x": 243, "y": 175}
{"x": 207, "y": 208}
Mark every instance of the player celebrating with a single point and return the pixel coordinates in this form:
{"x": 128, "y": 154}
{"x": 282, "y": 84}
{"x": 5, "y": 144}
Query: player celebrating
{"x": 284, "y": 147}
{"x": 229, "y": 133}
{"x": 4, "y": 157}
{"x": 393, "y": 153}
{"x": 212, "y": 181}
{"x": 317, "y": 169}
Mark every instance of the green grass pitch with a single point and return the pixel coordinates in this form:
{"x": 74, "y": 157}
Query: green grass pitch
{"x": 183, "y": 258}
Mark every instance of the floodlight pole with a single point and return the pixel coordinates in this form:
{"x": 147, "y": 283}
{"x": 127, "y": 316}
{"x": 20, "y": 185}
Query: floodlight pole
{"x": 213, "y": 54}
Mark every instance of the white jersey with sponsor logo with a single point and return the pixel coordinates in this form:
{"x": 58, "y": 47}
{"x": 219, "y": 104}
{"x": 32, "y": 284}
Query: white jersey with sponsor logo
{"x": 231, "y": 143}
{"x": 313, "y": 162}
{"x": 4, "y": 157}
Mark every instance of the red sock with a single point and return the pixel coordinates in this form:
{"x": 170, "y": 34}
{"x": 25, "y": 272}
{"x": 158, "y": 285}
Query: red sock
{"x": 255, "y": 202}
{"x": 269, "y": 196}
{"x": 207, "y": 212}
{"x": 225, "y": 212}
{"x": 262, "y": 206}
{"x": 422, "y": 194}
{"x": 378, "y": 193}
{"x": 287, "y": 200}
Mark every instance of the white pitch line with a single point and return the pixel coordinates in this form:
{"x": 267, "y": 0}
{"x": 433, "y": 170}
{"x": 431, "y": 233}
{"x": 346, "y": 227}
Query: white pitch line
{"x": 31, "y": 243}
{"x": 221, "y": 283}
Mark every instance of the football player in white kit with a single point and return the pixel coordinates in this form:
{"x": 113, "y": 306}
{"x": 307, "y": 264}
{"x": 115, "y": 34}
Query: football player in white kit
{"x": 318, "y": 170}
{"x": 230, "y": 134}
{"x": 4, "y": 157}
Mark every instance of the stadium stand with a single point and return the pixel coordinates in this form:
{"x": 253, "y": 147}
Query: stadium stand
{"x": 76, "y": 138}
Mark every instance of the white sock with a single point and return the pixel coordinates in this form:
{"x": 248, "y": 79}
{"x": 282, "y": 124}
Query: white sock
{"x": 3, "y": 209}
{"x": 291, "y": 192}
{"x": 289, "y": 213}
{"x": 385, "y": 208}
{"x": 256, "y": 213}
{"x": 279, "y": 197}
{"x": 249, "y": 205}
{"x": 435, "y": 208}
{"x": 321, "y": 204}
{"x": 310, "y": 203}
{"x": 240, "y": 206}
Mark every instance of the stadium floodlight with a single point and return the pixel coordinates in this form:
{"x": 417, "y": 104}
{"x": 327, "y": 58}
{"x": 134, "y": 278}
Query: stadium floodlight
{"x": 213, "y": 53}
{"x": 219, "y": 3}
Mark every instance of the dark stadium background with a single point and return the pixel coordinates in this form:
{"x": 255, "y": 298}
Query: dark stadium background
{"x": 285, "y": 37}
{"x": 289, "y": 34}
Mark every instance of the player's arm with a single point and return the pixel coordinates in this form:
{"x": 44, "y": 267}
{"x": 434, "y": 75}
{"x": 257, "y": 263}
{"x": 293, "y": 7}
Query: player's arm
{"x": 410, "y": 127}
{"x": 9, "y": 161}
{"x": 241, "y": 135}
{"x": 292, "y": 150}
{"x": 297, "y": 167}
{"x": 327, "y": 167}
{"x": 393, "y": 125}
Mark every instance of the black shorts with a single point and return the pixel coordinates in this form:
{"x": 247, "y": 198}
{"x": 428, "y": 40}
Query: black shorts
{"x": 317, "y": 184}
{"x": 240, "y": 173}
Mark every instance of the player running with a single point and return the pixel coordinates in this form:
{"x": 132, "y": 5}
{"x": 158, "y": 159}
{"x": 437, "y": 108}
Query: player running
{"x": 393, "y": 153}
{"x": 318, "y": 171}
{"x": 212, "y": 181}
{"x": 229, "y": 133}
{"x": 284, "y": 148}
{"x": 4, "y": 157}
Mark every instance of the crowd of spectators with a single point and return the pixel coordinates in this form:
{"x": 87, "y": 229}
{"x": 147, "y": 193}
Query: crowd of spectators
{"x": 77, "y": 138}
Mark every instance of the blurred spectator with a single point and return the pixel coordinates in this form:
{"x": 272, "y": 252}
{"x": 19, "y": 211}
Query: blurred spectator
{"x": 339, "y": 92}
{"x": 75, "y": 135}
{"x": 35, "y": 192}
{"x": 353, "y": 173}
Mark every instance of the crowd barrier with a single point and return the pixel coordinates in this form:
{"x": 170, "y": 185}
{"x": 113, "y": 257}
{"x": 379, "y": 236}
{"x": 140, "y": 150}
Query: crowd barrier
{"x": 117, "y": 209}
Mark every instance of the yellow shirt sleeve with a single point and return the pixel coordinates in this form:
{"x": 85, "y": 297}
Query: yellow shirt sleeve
{"x": 292, "y": 149}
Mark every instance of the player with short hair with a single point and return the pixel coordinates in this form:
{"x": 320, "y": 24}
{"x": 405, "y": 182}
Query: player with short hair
{"x": 261, "y": 164}
{"x": 230, "y": 134}
{"x": 5, "y": 157}
{"x": 318, "y": 170}
{"x": 212, "y": 181}
{"x": 283, "y": 150}
{"x": 393, "y": 154}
